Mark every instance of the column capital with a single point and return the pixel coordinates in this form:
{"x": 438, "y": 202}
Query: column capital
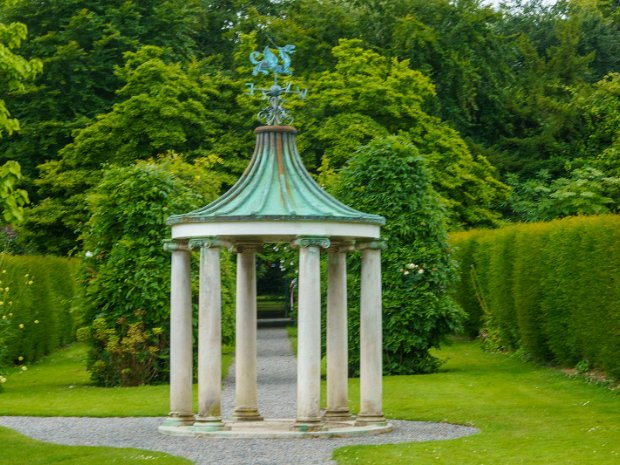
{"x": 322, "y": 242}
{"x": 172, "y": 245}
{"x": 207, "y": 243}
{"x": 241, "y": 247}
{"x": 376, "y": 244}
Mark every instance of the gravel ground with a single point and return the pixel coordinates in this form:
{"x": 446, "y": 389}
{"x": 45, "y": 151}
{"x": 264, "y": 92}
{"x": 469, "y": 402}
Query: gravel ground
{"x": 276, "y": 399}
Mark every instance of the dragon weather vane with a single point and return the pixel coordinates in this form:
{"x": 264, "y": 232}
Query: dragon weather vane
{"x": 274, "y": 114}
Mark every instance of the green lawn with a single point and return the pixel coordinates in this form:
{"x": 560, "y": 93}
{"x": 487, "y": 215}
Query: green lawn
{"x": 527, "y": 415}
{"x": 59, "y": 386}
{"x": 21, "y": 450}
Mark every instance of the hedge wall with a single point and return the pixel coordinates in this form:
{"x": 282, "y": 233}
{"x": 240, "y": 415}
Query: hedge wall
{"x": 38, "y": 306}
{"x": 551, "y": 289}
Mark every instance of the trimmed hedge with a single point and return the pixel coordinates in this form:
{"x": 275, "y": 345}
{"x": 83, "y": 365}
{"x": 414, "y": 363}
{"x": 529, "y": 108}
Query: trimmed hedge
{"x": 550, "y": 289}
{"x": 38, "y": 303}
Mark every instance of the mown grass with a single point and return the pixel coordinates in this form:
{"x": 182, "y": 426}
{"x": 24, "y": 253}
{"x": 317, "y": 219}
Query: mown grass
{"x": 526, "y": 414}
{"x": 21, "y": 450}
{"x": 59, "y": 386}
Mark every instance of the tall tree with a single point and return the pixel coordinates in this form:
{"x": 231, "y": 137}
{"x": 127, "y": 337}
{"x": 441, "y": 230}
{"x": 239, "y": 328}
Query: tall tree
{"x": 15, "y": 70}
{"x": 163, "y": 107}
{"x": 368, "y": 95}
{"x": 80, "y": 43}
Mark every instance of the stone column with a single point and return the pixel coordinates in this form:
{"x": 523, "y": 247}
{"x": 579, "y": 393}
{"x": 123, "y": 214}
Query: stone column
{"x": 309, "y": 334}
{"x": 371, "y": 340}
{"x": 209, "y": 416}
{"x": 181, "y": 409}
{"x": 337, "y": 342}
{"x": 246, "y": 408}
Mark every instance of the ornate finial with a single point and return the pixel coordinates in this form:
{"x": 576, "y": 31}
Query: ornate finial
{"x": 274, "y": 114}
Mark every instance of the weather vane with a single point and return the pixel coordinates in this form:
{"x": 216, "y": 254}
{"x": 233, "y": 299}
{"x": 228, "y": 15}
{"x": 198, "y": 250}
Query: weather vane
{"x": 274, "y": 114}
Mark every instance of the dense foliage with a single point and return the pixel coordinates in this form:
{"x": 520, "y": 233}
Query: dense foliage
{"x": 40, "y": 306}
{"x": 512, "y": 111}
{"x": 389, "y": 177}
{"x": 550, "y": 289}
{"x": 529, "y": 87}
{"x": 126, "y": 298}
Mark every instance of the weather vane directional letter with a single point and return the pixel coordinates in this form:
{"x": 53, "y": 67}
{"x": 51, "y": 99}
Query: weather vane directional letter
{"x": 274, "y": 114}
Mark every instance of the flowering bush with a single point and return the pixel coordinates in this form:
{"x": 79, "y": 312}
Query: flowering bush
{"x": 389, "y": 178}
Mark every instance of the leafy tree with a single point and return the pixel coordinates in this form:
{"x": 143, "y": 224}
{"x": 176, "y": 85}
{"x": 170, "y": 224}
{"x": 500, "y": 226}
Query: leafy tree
{"x": 165, "y": 106}
{"x": 368, "y": 95}
{"x": 80, "y": 43}
{"x": 600, "y": 107}
{"x": 15, "y": 70}
{"x": 12, "y": 199}
{"x": 585, "y": 191}
{"x": 388, "y": 177}
{"x": 563, "y": 48}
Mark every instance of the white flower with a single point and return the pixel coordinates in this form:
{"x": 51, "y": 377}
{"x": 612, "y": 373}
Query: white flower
{"x": 21, "y": 326}
{"x": 30, "y": 283}
{"x": 420, "y": 271}
{"x": 2, "y": 380}
{"x": 88, "y": 254}
{"x": 406, "y": 273}
{"x": 411, "y": 266}
{"x": 24, "y": 368}
{"x": 36, "y": 322}
{"x": 20, "y": 358}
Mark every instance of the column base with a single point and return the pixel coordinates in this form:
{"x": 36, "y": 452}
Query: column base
{"x": 337, "y": 415}
{"x": 308, "y": 424}
{"x": 175, "y": 419}
{"x": 247, "y": 414}
{"x": 367, "y": 419}
{"x": 207, "y": 424}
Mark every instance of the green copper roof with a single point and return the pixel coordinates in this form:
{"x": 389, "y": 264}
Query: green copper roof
{"x": 276, "y": 186}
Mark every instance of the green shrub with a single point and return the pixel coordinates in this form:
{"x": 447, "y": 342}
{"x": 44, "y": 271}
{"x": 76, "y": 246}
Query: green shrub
{"x": 465, "y": 290}
{"x": 38, "y": 306}
{"x": 550, "y": 289}
{"x": 128, "y": 272}
{"x": 529, "y": 271}
{"x": 389, "y": 178}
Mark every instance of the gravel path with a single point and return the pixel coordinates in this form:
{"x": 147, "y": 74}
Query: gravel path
{"x": 276, "y": 399}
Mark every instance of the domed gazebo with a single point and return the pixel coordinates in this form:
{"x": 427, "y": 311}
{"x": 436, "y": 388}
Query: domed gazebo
{"x": 275, "y": 201}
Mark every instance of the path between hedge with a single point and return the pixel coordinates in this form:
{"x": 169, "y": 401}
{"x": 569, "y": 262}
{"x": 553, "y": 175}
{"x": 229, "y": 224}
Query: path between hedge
{"x": 276, "y": 399}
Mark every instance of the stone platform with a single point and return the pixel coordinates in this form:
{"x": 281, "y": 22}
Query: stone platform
{"x": 277, "y": 428}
